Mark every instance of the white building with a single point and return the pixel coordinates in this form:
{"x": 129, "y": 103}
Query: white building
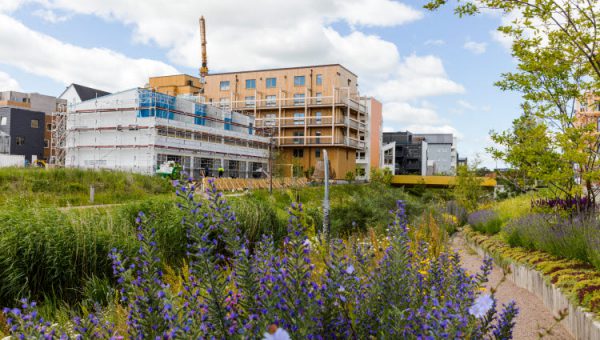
{"x": 138, "y": 130}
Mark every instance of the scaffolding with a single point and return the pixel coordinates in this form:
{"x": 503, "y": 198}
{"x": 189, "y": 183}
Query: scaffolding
{"x": 58, "y": 136}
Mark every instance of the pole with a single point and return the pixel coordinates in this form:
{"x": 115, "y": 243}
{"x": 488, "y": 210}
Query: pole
{"x": 271, "y": 165}
{"x": 326, "y": 198}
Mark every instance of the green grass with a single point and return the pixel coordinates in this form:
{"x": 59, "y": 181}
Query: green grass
{"x": 71, "y": 187}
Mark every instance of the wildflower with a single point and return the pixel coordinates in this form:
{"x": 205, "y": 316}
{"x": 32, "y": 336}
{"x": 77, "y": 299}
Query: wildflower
{"x": 481, "y": 306}
{"x": 350, "y": 270}
{"x": 275, "y": 333}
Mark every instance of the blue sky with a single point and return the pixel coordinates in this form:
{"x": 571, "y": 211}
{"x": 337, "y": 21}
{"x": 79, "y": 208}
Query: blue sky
{"x": 432, "y": 71}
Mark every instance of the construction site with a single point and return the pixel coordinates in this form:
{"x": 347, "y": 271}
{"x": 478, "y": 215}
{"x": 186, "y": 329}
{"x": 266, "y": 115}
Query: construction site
{"x": 246, "y": 124}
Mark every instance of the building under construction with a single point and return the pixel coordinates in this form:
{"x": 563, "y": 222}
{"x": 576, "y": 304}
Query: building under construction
{"x": 139, "y": 129}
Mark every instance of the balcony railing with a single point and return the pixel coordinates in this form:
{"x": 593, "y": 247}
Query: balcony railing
{"x": 320, "y": 140}
{"x": 299, "y": 121}
{"x": 285, "y": 102}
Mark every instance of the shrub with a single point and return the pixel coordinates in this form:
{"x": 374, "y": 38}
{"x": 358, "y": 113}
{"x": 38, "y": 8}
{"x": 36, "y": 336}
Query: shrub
{"x": 575, "y": 237}
{"x": 485, "y": 221}
{"x": 280, "y": 288}
{"x": 350, "y": 176}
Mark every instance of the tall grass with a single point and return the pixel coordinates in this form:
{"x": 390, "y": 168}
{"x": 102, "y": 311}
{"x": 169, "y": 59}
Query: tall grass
{"x": 63, "y": 187}
{"x": 61, "y": 255}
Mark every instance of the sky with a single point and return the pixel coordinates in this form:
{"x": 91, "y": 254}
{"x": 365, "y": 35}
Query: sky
{"x": 433, "y": 71}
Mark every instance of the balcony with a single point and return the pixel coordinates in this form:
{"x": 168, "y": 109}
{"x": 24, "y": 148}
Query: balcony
{"x": 311, "y": 121}
{"x": 297, "y": 102}
{"x": 315, "y": 141}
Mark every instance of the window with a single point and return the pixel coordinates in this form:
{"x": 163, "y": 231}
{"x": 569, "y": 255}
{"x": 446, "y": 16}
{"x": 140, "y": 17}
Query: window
{"x": 299, "y": 81}
{"x": 598, "y": 125}
{"x": 318, "y": 153}
{"x": 224, "y": 85}
{"x": 298, "y": 153}
{"x": 250, "y": 83}
{"x": 319, "y": 80}
{"x": 319, "y": 99}
{"x": 270, "y": 119}
{"x": 4, "y": 121}
{"x": 20, "y": 140}
{"x": 223, "y": 103}
{"x": 299, "y": 99}
{"x": 318, "y": 137}
{"x": 249, "y": 100}
{"x": 318, "y": 120}
{"x": 271, "y": 83}
{"x": 271, "y": 100}
{"x": 49, "y": 127}
{"x": 35, "y": 123}
{"x": 250, "y": 128}
{"x": 298, "y": 118}
{"x": 46, "y": 144}
{"x": 298, "y": 134}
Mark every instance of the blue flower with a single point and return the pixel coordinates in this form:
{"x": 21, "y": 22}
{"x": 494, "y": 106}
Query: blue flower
{"x": 481, "y": 306}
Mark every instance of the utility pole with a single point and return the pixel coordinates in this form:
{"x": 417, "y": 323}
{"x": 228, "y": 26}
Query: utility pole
{"x": 326, "y": 229}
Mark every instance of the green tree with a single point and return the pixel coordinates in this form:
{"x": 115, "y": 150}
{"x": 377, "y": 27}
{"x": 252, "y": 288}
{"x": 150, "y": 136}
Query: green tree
{"x": 555, "y": 43}
{"x": 467, "y": 190}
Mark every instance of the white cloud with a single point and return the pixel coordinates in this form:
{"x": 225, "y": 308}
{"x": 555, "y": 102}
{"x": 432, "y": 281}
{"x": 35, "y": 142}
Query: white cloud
{"x": 466, "y": 105}
{"x": 247, "y": 35}
{"x": 417, "y": 77}
{"x": 377, "y": 12}
{"x": 475, "y": 47}
{"x": 50, "y": 16}
{"x": 45, "y": 56}
{"x": 434, "y": 42}
{"x": 7, "y": 83}
{"x": 7, "y": 6}
{"x": 435, "y": 129}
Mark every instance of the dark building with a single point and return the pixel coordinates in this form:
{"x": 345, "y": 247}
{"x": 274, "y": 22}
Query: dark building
{"x": 24, "y": 130}
{"x": 404, "y": 152}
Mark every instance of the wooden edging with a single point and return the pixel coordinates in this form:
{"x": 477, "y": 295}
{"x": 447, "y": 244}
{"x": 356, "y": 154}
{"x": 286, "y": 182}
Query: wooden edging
{"x": 579, "y": 322}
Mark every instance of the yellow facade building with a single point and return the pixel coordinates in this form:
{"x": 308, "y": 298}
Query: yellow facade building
{"x": 176, "y": 85}
{"x": 305, "y": 109}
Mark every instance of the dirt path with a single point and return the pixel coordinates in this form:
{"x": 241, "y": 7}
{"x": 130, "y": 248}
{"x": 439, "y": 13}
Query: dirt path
{"x": 532, "y": 313}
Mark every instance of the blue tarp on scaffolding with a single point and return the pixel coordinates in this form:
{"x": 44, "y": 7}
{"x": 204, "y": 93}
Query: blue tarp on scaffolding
{"x": 155, "y": 104}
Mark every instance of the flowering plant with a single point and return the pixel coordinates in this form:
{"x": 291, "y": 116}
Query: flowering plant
{"x": 232, "y": 292}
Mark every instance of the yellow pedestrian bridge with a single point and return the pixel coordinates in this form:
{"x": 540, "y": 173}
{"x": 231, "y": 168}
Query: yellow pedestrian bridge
{"x": 436, "y": 181}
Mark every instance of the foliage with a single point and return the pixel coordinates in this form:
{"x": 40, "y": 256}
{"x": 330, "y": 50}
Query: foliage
{"x": 574, "y": 237}
{"x": 571, "y": 205}
{"x": 485, "y": 221}
{"x": 350, "y": 176}
{"x": 467, "y": 189}
{"x": 381, "y": 176}
{"x": 556, "y": 44}
{"x": 231, "y": 293}
{"x": 63, "y": 187}
{"x": 577, "y": 280}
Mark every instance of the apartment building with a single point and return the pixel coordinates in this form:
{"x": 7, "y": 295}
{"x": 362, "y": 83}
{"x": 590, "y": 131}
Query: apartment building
{"x": 36, "y": 102}
{"x": 22, "y": 132}
{"x": 420, "y": 154}
{"x": 304, "y": 109}
{"x": 370, "y": 157}
{"x": 442, "y": 157}
{"x": 138, "y": 130}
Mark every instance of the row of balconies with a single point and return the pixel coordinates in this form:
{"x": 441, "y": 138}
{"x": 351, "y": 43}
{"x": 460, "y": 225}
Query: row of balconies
{"x": 309, "y": 121}
{"x": 320, "y": 140}
{"x": 271, "y": 102}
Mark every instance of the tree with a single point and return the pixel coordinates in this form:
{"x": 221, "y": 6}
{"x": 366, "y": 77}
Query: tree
{"x": 556, "y": 45}
{"x": 467, "y": 190}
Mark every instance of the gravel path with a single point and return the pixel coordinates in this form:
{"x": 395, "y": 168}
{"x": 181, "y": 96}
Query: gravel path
{"x": 532, "y": 313}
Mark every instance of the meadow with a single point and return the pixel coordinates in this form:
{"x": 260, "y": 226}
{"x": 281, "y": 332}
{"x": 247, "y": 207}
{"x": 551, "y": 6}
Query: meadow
{"x": 202, "y": 269}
